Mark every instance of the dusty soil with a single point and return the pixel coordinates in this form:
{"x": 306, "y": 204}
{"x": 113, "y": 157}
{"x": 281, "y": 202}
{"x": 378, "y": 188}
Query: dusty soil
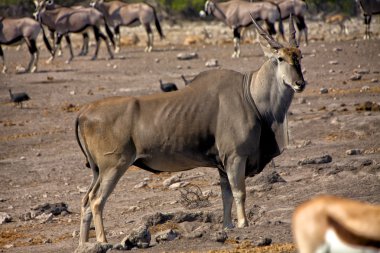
{"x": 40, "y": 161}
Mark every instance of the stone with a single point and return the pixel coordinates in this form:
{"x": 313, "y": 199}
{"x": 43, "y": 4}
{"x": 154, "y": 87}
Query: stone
{"x": 263, "y": 242}
{"x": 178, "y": 185}
{"x": 93, "y": 248}
{"x": 167, "y": 235}
{"x": 374, "y": 80}
{"x": 5, "y": 218}
{"x": 139, "y": 238}
{"x": 337, "y": 49}
{"x": 361, "y": 71}
{"x": 220, "y": 236}
{"x": 212, "y": 63}
{"x": 324, "y": 91}
{"x": 354, "y": 151}
{"x": 173, "y": 179}
{"x": 187, "y": 56}
{"x": 140, "y": 185}
{"x": 365, "y": 88}
{"x": 316, "y": 160}
{"x": 355, "y": 77}
{"x": 334, "y": 62}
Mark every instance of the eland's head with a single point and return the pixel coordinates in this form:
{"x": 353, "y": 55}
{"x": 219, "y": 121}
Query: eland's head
{"x": 287, "y": 58}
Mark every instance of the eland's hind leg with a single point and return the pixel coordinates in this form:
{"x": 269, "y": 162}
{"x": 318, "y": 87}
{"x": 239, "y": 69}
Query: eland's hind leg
{"x": 103, "y": 187}
{"x": 4, "y": 70}
{"x": 86, "y": 213}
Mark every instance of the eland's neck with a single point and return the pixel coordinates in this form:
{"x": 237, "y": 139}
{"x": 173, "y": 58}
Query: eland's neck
{"x": 271, "y": 95}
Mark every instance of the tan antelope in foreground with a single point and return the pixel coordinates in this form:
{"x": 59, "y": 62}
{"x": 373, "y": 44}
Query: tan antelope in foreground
{"x": 223, "y": 119}
{"x": 14, "y": 31}
{"x": 118, "y": 14}
{"x": 330, "y": 224}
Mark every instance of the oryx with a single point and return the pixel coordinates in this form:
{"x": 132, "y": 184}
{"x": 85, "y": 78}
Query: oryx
{"x": 298, "y": 10}
{"x": 119, "y": 14}
{"x": 14, "y": 31}
{"x": 369, "y": 8}
{"x": 236, "y": 15}
{"x": 224, "y": 119}
{"x": 65, "y": 20}
{"x": 84, "y": 49}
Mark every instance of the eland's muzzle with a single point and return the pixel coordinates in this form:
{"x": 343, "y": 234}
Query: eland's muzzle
{"x": 299, "y": 86}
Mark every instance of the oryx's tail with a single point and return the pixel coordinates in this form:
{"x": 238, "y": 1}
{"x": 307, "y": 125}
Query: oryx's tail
{"x": 156, "y": 21}
{"x": 109, "y": 32}
{"x": 46, "y": 41}
{"x": 79, "y": 142}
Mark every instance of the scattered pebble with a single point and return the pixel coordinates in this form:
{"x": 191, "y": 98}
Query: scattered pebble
{"x": 220, "y": 236}
{"x": 140, "y": 185}
{"x": 316, "y": 160}
{"x": 187, "y": 56}
{"x": 337, "y": 49}
{"x": 324, "y": 91}
{"x": 212, "y": 63}
{"x": 178, "y": 185}
{"x": 361, "y": 71}
{"x": 333, "y": 62}
{"x": 368, "y": 106}
{"x": 374, "y": 80}
{"x": 263, "y": 242}
{"x": 365, "y": 88}
{"x": 355, "y": 77}
{"x": 5, "y": 218}
{"x": 167, "y": 235}
{"x": 171, "y": 180}
{"x": 354, "y": 152}
{"x": 139, "y": 238}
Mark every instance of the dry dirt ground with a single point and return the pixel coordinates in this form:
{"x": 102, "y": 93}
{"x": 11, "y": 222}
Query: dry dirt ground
{"x": 40, "y": 161}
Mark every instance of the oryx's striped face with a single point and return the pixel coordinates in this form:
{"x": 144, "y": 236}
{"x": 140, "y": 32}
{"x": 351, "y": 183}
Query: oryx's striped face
{"x": 209, "y": 7}
{"x": 289, "y": 68}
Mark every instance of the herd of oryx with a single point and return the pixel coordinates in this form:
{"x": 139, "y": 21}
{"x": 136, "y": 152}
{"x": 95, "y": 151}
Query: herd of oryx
{"x": 234, "y": 122}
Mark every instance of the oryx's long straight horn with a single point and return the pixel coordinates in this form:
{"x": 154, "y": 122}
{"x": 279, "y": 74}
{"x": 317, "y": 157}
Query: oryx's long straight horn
{"x": 292, "y": 32}
{"x": 274, "y": 44}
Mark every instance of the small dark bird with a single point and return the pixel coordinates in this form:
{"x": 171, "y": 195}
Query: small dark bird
{"x": 18, "y": 97}
{"x": 168, "y": 87}
{"x": 184, "y": 80}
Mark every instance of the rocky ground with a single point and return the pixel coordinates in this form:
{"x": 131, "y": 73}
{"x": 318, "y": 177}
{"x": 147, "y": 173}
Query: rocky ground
{"x": 334, "y": 144}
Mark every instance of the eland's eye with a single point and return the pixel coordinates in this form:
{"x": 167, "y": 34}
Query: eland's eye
{"x": 280, "y": 59}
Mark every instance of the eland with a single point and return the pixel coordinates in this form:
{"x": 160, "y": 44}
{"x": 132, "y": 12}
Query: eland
{"x": 224, "y": 119}
{"x": 65, "y": 20}
{"x": 235, "y": 14}
{"x": 14, "y": 31}
{"x": 119, "y": 14}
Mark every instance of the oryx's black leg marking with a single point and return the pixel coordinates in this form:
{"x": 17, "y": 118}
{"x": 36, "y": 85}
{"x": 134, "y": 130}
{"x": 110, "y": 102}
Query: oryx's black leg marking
{"x": 68, "y": 40}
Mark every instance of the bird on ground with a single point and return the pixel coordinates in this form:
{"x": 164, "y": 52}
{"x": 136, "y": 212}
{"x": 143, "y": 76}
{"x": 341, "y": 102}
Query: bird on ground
{"x": 168, "y": 87}
{"x": 18, "y": 98}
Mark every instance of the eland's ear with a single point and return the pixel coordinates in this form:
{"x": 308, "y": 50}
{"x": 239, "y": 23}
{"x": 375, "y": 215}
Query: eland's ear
{"x": 267, "y": 49}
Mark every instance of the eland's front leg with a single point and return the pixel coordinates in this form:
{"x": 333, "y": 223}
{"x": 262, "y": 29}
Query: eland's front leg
{"x": 227, "y": 200}
{"x": 236, "y": 178}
